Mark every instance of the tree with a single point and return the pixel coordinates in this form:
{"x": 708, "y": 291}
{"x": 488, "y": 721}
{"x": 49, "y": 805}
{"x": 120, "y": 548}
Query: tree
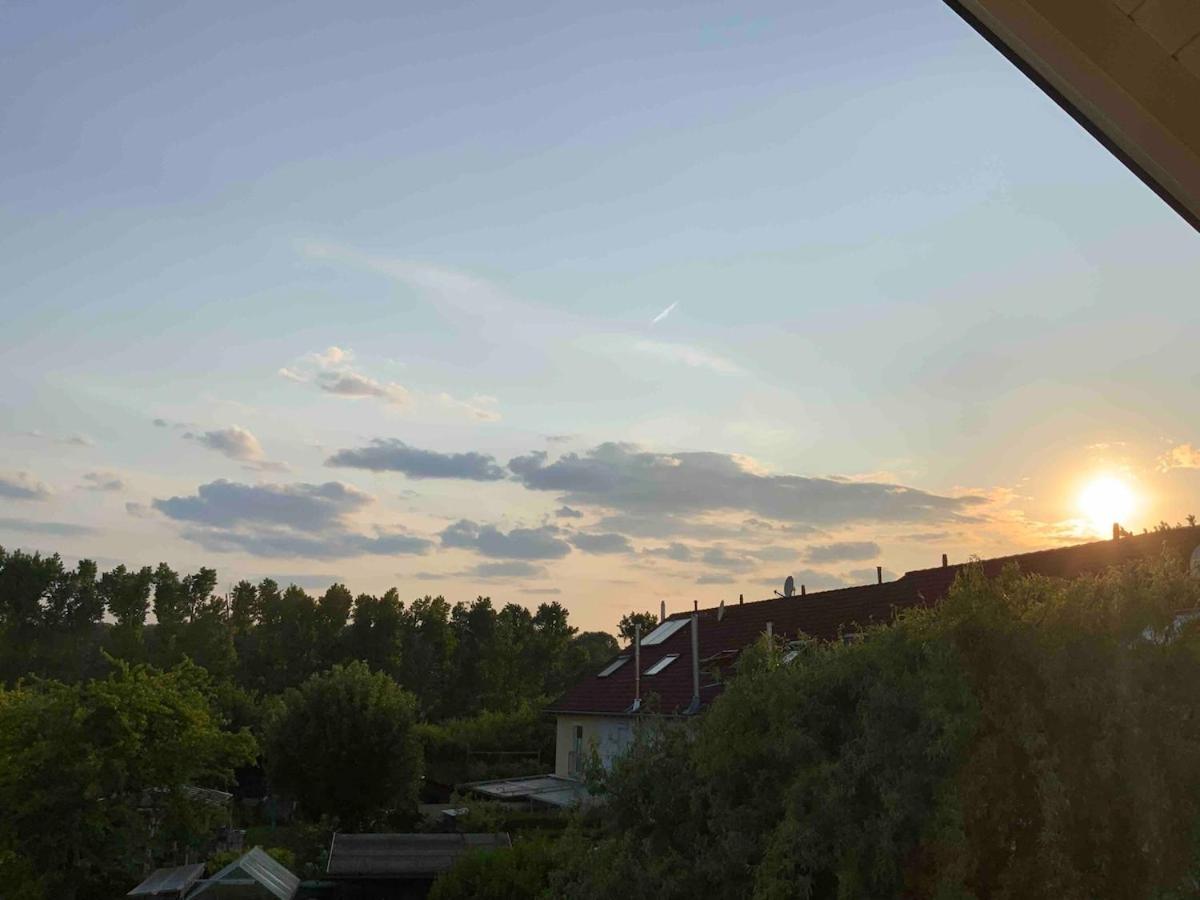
{"x": 332, "y": 613}
{"x": 630, "y": 621}
{"x": 93, "y": 776}
{"x": 127, "y": 597}
{"x": 523, "y": 870}
{"x": 343, "y": 746}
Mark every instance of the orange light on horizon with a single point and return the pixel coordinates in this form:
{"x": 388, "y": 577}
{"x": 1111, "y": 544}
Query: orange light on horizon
{"x": 1105, "y": 500}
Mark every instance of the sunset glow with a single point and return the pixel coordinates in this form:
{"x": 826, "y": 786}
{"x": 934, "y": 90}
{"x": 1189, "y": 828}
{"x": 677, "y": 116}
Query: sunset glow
{"x": 1106, "y": 500}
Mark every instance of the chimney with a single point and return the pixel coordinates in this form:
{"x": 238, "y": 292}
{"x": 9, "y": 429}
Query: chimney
{"x": 662, "y": 611}
{"x": 879, "y": 574}
{"x": 741, "y": 599}
{"x": 637, "y": 666}
{"x": 1116, "y": 531}
{"x": 695, "y": 704}
{"x": 802, "y": 590}
{"x": 945, "y": 561}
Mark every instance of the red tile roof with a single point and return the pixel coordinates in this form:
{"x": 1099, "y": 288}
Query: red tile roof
{"x": 823, "y": 614}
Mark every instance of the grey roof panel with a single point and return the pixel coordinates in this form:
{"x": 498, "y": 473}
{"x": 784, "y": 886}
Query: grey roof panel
{"x": 252, "y": 868}
{"x": 174, "y": 880}
{"x": 404, "y": 855}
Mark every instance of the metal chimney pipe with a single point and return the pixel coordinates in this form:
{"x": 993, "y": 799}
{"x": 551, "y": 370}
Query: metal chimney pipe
{"x": 695, "y": 662}
{"x": 637, "y": 665}
{"x": 879, "y": 574}
{"x": 803, "y": 590}
{"x": 945, "y": 561}
{"x": 662, "y": 611}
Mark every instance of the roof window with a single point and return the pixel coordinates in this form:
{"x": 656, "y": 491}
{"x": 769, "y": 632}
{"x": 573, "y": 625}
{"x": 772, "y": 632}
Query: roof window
{"x": 613, "y": 666}
{"x": 663, "y": 631}
{"x": 661, "y": 664}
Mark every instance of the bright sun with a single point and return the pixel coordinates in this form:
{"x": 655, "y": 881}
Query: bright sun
{"x": 1106, "y": 500}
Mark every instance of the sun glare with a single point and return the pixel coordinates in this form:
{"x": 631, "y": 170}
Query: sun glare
{"x": 1106, "y": 500}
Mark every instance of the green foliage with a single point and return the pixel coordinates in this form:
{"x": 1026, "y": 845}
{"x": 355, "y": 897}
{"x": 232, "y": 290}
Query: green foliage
{"x": 523, "y": 871}
{"x": 489, "y": 745}
{"x": 1027, "y": 738}
{"x": 630, "y": 621}
{"x": 93, "y": 776}
{"x": 343, "y": 745}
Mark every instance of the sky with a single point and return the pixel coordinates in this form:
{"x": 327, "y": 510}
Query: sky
{"x": 601, "y": 304}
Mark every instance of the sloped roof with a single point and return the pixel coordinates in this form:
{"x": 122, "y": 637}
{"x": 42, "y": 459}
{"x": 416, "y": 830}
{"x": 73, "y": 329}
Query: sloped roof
{"x": 360, "y": 856}
{"x": 1127, "y": 70}
{"x": 249, "y": 876}
{"x": 168, "y": 882}
{"x": 822, "y": 614}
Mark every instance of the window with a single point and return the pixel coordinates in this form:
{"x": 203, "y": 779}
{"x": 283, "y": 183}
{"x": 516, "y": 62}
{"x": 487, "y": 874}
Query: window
{"x": 663, "y": 631}
{"x": 613, "y": 666}
{"x": 661, "y": 664}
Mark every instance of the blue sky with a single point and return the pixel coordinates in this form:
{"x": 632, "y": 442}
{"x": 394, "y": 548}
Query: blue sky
{"x": 444, "y": 232}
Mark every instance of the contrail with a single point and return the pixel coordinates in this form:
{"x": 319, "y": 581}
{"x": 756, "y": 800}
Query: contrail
{"x": 662, "y": 315}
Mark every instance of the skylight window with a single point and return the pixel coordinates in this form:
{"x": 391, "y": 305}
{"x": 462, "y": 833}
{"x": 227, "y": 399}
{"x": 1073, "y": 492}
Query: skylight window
{"x": 663, "y": 631}
{"x": 613, "y": 666}
{"x": 661, "y": 664}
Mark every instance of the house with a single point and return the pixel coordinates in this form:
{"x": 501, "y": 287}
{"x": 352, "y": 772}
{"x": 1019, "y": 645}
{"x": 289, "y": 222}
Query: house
{"x": 368, "y": 866}
{"x": 681, "y": 666}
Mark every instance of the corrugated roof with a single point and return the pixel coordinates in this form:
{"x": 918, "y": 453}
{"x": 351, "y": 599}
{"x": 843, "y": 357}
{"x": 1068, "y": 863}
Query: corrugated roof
{"x": 403, "y": 855}
{"x": 551, "y": 789}
{"x": 823, "y": 614}
{"x": 254, "y": 869}
{"x": 168, "y": 881}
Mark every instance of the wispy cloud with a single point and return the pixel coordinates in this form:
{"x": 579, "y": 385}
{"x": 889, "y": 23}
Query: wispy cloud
{"x": 102, "y": 481}
{"x": 687, "y": 355}
{"x": 1182, "y": 456}
{"x": 21, "y": 487}
{"x": 237, "y": 443}
{"x": 666, "y": 312}
{"x": 32, "y": 526}
{"x": 391, "y": 455}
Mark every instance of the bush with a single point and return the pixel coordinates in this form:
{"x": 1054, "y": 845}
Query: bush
{"x": 523, "y": 871}
{"x": 343, "y": 745}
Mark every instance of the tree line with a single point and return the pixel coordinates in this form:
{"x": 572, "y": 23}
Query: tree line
{"x": 457, "y": 659}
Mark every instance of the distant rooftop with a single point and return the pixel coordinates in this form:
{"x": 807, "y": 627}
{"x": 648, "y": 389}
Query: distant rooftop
{"x": 726, "y": 629}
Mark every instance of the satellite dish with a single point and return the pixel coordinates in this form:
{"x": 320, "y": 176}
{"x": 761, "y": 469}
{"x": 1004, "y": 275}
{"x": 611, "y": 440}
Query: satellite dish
{"x": 1194, "y": 565}
{"x": 789, "y": 586}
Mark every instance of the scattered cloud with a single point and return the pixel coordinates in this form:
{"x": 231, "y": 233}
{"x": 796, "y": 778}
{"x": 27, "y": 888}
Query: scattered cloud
{"x": 666, "y": 312}
{"x": 675, "y": 550}
{"x": 715, "y": 578}
{"x": 390, "y": 455}
{"x": 721, "y": 557}
{"x": 161, "y": 423}
{"x": 139, "y": 510}
{"x": 288, "y": 520}
{"x": 624, "y": 478}
{"x": 684, "y": 354}
{"x": 353, "y": 384}
{"x": 520, "y": 543}
{"x": 305, "y": 507}
{"x": 565, "y": 512}
{"x": 1182, "y": 456}
{"x": 507, "y": 569}
{"x": 842, "y": 551}
{"x": 602, "y": 543}
{"x": 236, "y": 443}
{"x": 32, "y": 526}
{"x": 530, "y": 590}
{"x": 79, "y": 440}
{"x": 21, "y": 487}
{"x": 334, "y": 543}
{"x": 559, "y": 438}
{"x": 481, "y": 406}
{"x": 102, "y": 481}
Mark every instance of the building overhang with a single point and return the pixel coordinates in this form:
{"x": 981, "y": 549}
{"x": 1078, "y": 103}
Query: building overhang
{"x": 1128, "y": 71}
